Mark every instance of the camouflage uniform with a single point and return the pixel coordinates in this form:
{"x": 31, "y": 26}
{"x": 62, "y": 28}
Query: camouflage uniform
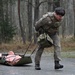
{"x": 48, "y": 25}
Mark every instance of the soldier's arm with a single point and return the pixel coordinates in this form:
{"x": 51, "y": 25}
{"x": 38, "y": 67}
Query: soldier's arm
{"x": 38, "y": 24}
{"x": 42, "y": 22}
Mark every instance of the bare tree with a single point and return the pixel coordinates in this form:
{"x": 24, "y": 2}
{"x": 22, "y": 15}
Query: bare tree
{"x": 36, "y": 15}
{"x": 50, "y": 5}
{"x": 74, "y": 16}
{"x": 1, "y": 18}
{"x": 29, "y": 20}
{"x": 21, "y": 28}
{"x": 68, "y": 28}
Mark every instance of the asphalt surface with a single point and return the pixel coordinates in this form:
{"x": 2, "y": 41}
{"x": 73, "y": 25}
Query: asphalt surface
{"x": 47, "y": 68}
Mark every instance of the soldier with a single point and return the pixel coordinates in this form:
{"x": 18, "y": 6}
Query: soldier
{"x": 49, "y": 25}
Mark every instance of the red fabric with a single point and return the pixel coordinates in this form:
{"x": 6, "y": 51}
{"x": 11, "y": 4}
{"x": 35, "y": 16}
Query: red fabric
{"x": 12, "y": 59}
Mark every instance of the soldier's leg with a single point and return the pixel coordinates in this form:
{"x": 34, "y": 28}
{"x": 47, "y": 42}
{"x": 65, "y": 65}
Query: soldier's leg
{"x": 38, "y": 57}
{"x": 57, "y": 51}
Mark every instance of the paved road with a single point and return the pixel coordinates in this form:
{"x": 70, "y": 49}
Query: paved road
{"x": 46, "y": 65}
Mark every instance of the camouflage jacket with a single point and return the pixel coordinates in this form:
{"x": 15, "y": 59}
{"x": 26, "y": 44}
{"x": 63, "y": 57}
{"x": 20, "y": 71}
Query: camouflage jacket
{"x": 48, "y": 23}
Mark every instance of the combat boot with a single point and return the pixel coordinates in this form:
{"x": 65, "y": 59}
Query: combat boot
{"x": 57, "y": 65}
{"x": 37, "y": 67}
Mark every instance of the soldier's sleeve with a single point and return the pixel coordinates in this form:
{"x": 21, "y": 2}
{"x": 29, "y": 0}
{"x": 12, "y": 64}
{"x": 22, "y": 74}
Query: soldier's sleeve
{"x": 43, "y": 21}
{"x": 38, "y": 24}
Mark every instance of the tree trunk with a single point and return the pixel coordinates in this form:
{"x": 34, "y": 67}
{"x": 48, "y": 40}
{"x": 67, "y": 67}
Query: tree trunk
{"x": 68, "y": 24}
{"x": 21, "y": 28}
{"x": 1, "y": 19}
{"x": 50, "y": 5}
{"x": 29, "y": 20}
{"x": 74, "y": 16}
{"x": 36, "y": 16}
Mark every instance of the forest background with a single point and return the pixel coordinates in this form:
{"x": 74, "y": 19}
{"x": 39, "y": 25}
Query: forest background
{"x": 17, "y": 21}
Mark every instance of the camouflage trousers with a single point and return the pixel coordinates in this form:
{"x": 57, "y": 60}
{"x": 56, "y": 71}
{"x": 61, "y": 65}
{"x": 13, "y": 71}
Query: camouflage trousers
{"x": 57, "y": 48}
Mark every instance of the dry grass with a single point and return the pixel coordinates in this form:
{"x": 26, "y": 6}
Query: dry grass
{"x": 67, "y": 45}
{"x": 17, "y": 47}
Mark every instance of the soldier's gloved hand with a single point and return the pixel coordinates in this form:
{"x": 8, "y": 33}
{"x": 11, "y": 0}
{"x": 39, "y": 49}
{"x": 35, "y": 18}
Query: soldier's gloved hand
{"x": 41, "y": 30}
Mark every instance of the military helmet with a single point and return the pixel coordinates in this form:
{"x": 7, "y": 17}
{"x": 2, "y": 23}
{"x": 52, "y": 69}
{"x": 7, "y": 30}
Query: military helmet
{"x": 60, "y": 11}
